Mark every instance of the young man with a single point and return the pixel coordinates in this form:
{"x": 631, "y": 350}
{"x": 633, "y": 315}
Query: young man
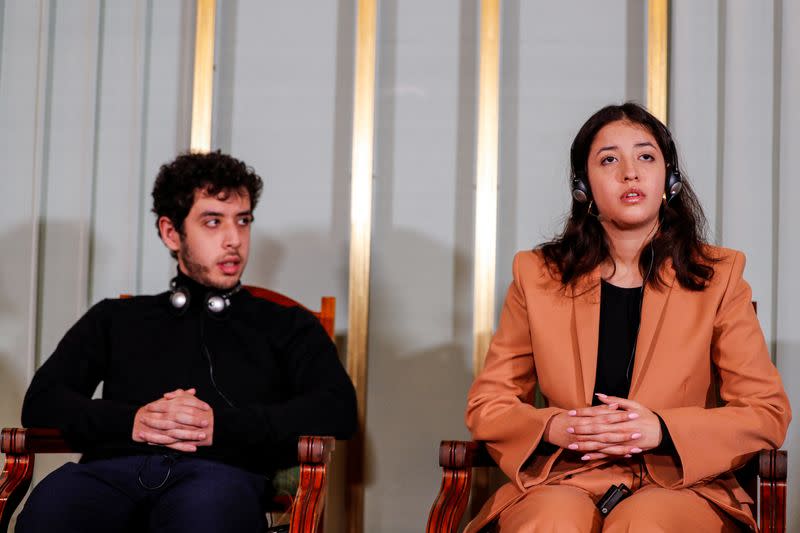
{"x": 205, "y": 388}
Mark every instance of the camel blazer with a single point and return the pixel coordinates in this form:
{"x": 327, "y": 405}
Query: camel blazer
{"x": 548, "y": 335}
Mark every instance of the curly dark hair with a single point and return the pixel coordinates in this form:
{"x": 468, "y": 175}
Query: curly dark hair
{"x": 214, "y": 172}
{"x": 582, "y": 245}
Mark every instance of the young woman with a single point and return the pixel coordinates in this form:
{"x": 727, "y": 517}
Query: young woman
{"x": 630, "y": 324}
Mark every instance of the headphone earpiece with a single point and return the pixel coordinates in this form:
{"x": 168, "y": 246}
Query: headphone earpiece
{"x": 674, "y": 185}
{"x": 180, "y": 297}
{"x": 580, "y": 190}
{"x": 216, "y": 304}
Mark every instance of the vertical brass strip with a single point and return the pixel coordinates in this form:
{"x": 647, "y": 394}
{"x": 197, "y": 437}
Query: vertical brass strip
{"x": 360, "y": 235}
{"x": 658, "y": 57}
{"x": 486, "y": 182}
{"x": 202, "y": 92}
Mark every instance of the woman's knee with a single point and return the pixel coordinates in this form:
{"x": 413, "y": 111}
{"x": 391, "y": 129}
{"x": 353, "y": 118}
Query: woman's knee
{"x": 659, "y": 510}
{"x": 558, "y": 508}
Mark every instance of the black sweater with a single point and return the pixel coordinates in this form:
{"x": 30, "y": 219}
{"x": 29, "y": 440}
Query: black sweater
{"x": 276, "y": 365}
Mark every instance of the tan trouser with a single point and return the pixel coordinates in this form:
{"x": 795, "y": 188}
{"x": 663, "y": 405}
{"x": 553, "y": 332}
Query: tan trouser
{"x": 568, "y": 505}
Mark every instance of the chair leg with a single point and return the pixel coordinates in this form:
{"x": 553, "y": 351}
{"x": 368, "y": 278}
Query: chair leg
{"x": 14, "y": 484}
{"x": 309, "y": 502}
{"x": 772, "y": 493}
{"x": 451, "y": 502}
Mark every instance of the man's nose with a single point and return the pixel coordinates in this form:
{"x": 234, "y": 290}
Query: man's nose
{"x": 232, "y": 238}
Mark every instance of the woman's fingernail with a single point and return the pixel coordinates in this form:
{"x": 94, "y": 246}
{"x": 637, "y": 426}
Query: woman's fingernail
{"x": 201, "y": 436}
{"x": 633, "y": 415}
{"x": 613, "y": 405}
{"x": 636, "y": 450}
{"x": 601, "y": 395}
{"x": 570, "y": 430}
{"x": 585, "y": 457}
{"x": 572, "y": 413}
{"x": 628, "y": 456}
{"x": 636, "y": 435}
{"x": 573, "y": 446}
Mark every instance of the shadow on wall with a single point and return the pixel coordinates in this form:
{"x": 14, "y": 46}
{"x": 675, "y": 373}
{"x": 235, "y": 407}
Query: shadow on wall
{"x": 419, "y": 374}
{"x": 303, "y": 264}
{"x": 16, "y": 276}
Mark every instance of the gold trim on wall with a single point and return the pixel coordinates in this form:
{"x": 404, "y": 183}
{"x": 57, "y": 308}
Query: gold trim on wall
{"x": 486, "y": 181}
{"x": 360, "y": 236}
{"x": 658, "y": 58}
{"x": 203, "y": 88}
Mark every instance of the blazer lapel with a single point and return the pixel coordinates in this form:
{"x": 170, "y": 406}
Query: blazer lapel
{"x": 653, "y": 305}
{"x": 586, "y": 328}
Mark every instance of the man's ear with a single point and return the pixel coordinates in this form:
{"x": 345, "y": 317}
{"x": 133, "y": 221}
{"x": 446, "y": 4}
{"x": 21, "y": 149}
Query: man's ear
{"x": 169, "y": 233}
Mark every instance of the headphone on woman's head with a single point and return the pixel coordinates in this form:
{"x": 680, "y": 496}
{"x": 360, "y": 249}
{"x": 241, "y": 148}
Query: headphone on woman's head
{"x": 581, "y": 192}
{"x": 215, "y": 303}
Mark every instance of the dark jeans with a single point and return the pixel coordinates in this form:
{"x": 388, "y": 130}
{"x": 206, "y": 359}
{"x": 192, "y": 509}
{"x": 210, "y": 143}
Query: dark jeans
{"x": 155, "y": 493}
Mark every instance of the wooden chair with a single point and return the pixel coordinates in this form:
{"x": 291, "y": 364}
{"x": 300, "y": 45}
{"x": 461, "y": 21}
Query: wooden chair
{"x": 20, "y": 446}
{"x": 763, "y": 477}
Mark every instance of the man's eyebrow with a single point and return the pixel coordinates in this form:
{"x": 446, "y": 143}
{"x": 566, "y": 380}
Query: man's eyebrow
{"x": 249, "y": 212}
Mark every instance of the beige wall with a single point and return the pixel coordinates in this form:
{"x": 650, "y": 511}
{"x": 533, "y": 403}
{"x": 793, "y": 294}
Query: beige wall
{"x": 95, "y": 95}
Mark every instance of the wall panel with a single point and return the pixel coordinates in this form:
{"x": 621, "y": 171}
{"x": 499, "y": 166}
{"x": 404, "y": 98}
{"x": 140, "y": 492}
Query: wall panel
{"x": 117, "y": 194}
{"x": 23, "y": 60}
{"x": 787, "y": 339}
{"x": 747, "y": 163}
{"x": 420, "y": 320}
{"x": 68, "y": 168}
{"x": 694, "y": 93}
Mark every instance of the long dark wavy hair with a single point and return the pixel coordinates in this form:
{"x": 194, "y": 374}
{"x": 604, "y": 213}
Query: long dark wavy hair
{"x": 582, "y": 245}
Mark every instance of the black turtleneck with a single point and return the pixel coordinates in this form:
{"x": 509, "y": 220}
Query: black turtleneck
{"x": 276, "y": 375}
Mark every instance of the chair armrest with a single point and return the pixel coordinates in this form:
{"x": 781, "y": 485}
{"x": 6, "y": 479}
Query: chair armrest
{"x": 463, "y": 454}
{"x": 314, "y": 455}
{"x": 33, "y": 440}
{"x": 772, "y": 466}
{"x": 19, "y": 446}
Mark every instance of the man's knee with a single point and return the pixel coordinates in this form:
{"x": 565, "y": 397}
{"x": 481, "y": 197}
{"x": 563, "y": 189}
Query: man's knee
{"x": 70, "y": 500}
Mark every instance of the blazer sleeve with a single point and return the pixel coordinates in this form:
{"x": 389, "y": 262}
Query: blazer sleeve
{"x": 756, "y": 411}
{"x": 499, "y": 405}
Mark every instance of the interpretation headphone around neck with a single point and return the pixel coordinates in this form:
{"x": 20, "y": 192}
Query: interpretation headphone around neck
{"x": 672, "y": 185}
{"x": 215, "y": 303}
